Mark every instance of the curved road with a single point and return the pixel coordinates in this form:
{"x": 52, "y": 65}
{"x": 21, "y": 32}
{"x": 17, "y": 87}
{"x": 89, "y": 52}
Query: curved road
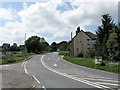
{"x": 51, "y": 71}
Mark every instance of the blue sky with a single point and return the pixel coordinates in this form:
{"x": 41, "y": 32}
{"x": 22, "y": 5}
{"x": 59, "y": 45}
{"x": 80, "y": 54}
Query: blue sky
{"x": 53, "y": 20}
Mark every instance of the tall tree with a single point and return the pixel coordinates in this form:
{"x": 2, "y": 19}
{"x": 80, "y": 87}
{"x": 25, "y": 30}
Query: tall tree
{"x": 14, "y": 47}
{"x": 45, "y": 46}
{"x": 5, "y": 47}
{"x": 113, "y": 44}
{"x": 54, "y": 46}
{"x": 33, "y": 44}
{"x": 63, "y": 46}
{"x": 103, "y": 33}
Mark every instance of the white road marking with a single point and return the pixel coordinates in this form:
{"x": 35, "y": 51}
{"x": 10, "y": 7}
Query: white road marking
{"x": 54, "y": 64}
{"x": 36, "y": 79}
{"x": 72, "y": 77}
{"x": 44, "y": 87}
{"x": 54, "y": 58}
{"x": 23, "y": 64}
{"x": 48, "y": 58}
{"x": 102, "y": 80}
{"x": 25, "y": 68}
{"x": 5, "y": 65}
{"x": 107, "y": 83}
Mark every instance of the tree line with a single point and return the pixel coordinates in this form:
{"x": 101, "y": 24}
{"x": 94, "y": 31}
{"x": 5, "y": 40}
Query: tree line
{"x": 35, "y": 44}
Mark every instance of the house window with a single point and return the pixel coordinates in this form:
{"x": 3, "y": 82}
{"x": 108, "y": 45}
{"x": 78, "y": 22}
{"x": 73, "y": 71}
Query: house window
{"x": 77, "y": 50}
{"x": 88, "y": 41}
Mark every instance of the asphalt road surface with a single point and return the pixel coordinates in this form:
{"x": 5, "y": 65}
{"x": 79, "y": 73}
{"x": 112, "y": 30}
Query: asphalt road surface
{"x": 51, "y": 71}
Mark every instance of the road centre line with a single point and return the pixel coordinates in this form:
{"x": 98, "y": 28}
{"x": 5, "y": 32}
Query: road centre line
{"x": 44, "y": 87}
{"x": 54, "y": 58}
{"x": 72, "y": 77}
{"x": 23, "y": 64}
{"x": 25, "y": 68}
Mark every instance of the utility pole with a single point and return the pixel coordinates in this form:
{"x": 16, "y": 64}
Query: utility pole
{"x": 25, "y": 46}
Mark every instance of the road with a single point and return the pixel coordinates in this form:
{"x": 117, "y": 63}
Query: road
{"x": 51, "y": 71}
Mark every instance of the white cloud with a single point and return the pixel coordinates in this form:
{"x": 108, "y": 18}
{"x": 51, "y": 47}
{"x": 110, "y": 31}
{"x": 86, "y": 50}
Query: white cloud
{"x": 42, "y": 18}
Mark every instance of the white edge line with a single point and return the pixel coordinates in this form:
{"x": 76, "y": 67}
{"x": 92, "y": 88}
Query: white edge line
{"x": 36, "y": 79}
{"x": 72, "y": 77}
{"x": 108, "y": 83}
{"x": 96, "y": 79}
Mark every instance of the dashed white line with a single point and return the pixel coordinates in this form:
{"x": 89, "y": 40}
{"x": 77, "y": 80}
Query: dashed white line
{"x": 72, "y": 77}
{"x": 23, "y": 64}
{"x": 36, "y": 79}
{"x": 54, "y": 58}
{"x": 25, "y": 68}
{"x": 44, "y": 87}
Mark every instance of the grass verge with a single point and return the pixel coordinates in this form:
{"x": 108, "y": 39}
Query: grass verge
{"x": 14, "y": 58}
{"x": 89, "y": 62}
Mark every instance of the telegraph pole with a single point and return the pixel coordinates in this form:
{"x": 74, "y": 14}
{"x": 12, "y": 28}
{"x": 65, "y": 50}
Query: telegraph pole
{"x": 25, "y": 46}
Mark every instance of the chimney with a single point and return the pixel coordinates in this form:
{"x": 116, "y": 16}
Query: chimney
{"x": 78, "y": 30}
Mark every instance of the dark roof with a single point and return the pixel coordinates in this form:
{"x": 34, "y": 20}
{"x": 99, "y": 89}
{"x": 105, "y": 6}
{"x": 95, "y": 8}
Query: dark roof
{"x": 91, "y": 35}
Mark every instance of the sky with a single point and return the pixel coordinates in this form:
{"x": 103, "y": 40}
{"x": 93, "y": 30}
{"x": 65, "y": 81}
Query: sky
{"x": 52, "y": 19}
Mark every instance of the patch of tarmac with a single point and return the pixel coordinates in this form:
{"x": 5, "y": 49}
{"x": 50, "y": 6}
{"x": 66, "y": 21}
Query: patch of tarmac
{"x": 15, "y": 79}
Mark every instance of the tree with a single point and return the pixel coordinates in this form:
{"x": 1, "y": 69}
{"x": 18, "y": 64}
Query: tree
{"x": 103, "y": 33}
{"x": 5, "y": 47}
{"x": 33, "y": 44}
{"x": 22, "y": 47}
{"x": 14, "y": 47}
{"x": 63, "y": 46}
{"x": 54, "y": 46}
{"x": 113, "y": 44}
{"x": 45, "y": 46}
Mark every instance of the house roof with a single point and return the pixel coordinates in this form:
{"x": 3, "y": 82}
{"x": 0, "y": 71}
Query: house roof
{"x": 91, "y": 35}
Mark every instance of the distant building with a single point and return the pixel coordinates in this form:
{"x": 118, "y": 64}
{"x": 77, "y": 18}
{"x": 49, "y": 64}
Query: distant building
{"x": 81, "y": 42}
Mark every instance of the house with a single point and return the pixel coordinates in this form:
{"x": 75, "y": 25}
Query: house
{"x": 81, "y": 42}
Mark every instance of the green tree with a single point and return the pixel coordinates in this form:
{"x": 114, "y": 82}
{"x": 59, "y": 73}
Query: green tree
{"x": 113, "y": 44}
{"x": 63, "y": 46}
{"x": 103, "y": 33}
{"x": 14, "y": 47}
{"x": 33, "y": 44}
{"x": 5, "y": 47}
{"x": 54, "y": 46}
{"x": 45, "y": 46}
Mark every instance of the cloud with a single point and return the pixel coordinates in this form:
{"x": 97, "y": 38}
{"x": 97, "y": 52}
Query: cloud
{"x": 45, "y": 20}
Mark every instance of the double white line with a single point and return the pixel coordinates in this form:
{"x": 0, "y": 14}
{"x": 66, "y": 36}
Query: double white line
{"x": 73, "y": 77}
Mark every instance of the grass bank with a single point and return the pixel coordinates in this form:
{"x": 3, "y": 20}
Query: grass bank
{"x": 16, "y": 57}
{"x": 89, "y": 62}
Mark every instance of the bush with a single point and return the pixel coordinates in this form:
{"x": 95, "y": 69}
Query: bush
{"x": 80, "y": 55}
{"x": 65, "y": 53}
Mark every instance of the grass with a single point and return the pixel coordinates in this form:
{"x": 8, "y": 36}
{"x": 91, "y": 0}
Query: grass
{"x": 14, "y": 57}
{"x": 65, "y": 53}
{"x": 89, "y": 62}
